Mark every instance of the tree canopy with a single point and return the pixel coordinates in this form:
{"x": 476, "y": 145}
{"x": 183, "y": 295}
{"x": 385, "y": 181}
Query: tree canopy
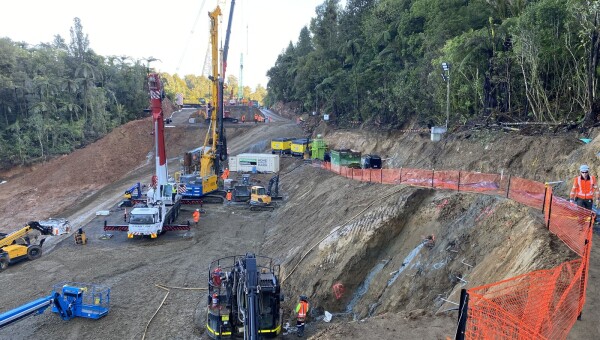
{"x": 58, "y": 96}
{"x": 380, "y": 61}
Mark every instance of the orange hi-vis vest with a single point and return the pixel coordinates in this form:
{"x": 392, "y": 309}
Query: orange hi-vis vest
{"x": 584, "y": 189}
{"x": 302, "y": 309}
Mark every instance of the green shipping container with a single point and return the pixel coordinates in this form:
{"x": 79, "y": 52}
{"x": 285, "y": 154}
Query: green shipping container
{"x": 345, "y": 157}
{"x": 318, "y": 149}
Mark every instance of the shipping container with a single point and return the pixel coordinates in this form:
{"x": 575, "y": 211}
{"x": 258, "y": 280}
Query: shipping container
{"x": 254, "y": 162}
{"x": 281, "y": 145}
{"x": 345, "y": 157}
{"x": 299, "y": 146}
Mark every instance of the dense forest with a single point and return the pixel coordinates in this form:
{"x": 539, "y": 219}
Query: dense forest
{"x": 58, "y": 96}
{"x": 380, "y": 62}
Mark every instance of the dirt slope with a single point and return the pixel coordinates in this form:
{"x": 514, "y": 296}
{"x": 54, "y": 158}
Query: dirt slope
{"x": 328, "y": 230}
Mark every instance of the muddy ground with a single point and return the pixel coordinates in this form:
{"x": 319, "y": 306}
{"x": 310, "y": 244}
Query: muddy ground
{"x": 328, "y": 230}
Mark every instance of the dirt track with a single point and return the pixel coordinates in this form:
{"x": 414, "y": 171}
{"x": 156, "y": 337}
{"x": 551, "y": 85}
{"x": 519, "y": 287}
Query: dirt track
{"x": 390, "y": 222}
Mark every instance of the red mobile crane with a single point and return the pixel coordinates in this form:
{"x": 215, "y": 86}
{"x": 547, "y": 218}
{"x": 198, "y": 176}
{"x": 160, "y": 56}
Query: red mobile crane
{"x": 162, "y": 201}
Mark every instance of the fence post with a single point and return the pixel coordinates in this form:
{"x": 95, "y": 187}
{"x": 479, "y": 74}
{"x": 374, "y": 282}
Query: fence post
{"x": 463, "y": 309}
{"x": 458, "y": 184}
{"x": 508, "y": 187}
{"x": 584, "y": 262}
{"x": 432, "y": 177}
{"x": 400, "y": 175}
{"x": 549, "y": 210}
{"x": 545, "y": 194}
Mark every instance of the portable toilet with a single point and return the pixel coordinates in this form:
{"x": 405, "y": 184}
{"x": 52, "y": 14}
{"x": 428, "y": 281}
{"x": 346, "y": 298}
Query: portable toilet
{"x": 437, "y": 132}
{"x": 319, "y": 147}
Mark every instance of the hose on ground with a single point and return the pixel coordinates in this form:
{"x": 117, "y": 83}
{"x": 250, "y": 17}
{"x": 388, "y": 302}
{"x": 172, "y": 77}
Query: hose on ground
{"x": 167, "y": 288}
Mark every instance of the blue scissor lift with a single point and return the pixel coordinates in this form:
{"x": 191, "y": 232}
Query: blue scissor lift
{"x": 69, "y": 300}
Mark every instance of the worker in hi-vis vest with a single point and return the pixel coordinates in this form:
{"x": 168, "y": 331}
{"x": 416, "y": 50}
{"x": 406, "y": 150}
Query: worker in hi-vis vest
{"x": 585, "y": 188}
{"x": 301, "y": 312}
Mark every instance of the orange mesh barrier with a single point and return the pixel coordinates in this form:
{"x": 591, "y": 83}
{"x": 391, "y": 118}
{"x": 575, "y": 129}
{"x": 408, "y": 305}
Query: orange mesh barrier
{"x": 527, "y": 192}
{"x": 570, "y": 223}
{"x": 483, "y": 183}
{"x": 417, "y": 177}
{"x": 390, "y": 176}
{"x": 446, "y": 179}
{"x": 542, "y": 304}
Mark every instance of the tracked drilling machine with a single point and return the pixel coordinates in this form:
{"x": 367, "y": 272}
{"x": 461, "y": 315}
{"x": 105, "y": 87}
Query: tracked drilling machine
{"x": 244, "y": 297}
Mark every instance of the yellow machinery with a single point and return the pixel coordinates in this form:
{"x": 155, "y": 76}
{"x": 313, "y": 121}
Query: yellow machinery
{"x": 22, "y": 244}
{"x": 259, "y": 199}
{"x": 209, "y": 154}
{"x": 281, "y": 145}
{"x": 300, "y": 146}
{"x": 80, "y": 237}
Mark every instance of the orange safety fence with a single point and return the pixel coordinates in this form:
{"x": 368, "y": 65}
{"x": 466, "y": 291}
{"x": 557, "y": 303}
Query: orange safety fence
{"x": 543, "y": 304}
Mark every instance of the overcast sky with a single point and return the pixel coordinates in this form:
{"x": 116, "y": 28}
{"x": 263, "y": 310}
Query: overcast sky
{"x": 261, "y": 30}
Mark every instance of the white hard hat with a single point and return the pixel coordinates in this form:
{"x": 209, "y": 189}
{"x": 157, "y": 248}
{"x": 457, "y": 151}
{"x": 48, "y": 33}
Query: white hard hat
{"x": 584, "y": 167}
{"x": 197, "y": 209}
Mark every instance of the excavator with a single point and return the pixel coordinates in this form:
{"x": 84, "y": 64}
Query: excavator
{"x": 244, "y": 297}
{"x": 214, "y": 149}
{"x": 22, "y": 244}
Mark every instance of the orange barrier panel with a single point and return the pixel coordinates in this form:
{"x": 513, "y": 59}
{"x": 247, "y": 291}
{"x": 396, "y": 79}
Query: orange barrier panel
{"x": 417, "y": 177}
{"x": 570, "y": 222}
{"x": 483, "y": 183}
{"x": 527, "y": 192}
{"x": 539, "y": 305}
{"x": 390, "y": 176}
{"x": 446, "y": 179}
{"x": 543, "y": 304}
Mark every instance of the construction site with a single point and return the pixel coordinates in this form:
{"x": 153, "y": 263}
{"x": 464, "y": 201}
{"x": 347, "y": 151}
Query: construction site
{"x": 213, "y": 222}
{"x": 384, "y": 260}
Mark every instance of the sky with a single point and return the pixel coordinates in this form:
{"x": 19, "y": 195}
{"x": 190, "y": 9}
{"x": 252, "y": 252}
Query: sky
{"x": 176, "y": 32}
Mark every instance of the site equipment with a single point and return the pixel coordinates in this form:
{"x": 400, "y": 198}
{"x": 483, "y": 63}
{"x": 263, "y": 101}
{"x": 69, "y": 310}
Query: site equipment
{"x": 80, "y": 237}
{"x": 24, "y": 243}
{"x": 214, "y": 150}
{"x": 254, "y": 162}
{"x": 162, "y": 199}
{"x": 244, "y": 297}
{"x": 370, "y": 162}
{"x": 345, "y": 157}
{"x": 300, "y": 146}
{"x": 273, "y": 188}
{"x": 69, "y": 300}
{"x": 259, "y": 199}
{"x": 281, "y": 145}
{"x": 318, "y": 148}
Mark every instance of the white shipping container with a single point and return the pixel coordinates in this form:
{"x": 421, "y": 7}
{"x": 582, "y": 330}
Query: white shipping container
{"x": 259, "y": 162}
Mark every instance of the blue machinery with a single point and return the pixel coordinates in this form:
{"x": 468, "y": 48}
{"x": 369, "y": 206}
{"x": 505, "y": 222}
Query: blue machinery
{"x": 69, "y": 300}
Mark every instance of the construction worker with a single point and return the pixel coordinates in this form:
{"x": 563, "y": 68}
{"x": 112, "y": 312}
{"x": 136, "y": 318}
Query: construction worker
{"x": 125, "y": 215}
{"x": 196, "y": 216}
{"x": 225, "y": 174}
{"x": 174, "y": 192}
{"x": 255, "y": 118}
{"x": 584, "y": 189}
{"x": 301, "y": 312}
{"x": 228, "y": 196}
{"x": 243, "y": 119}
